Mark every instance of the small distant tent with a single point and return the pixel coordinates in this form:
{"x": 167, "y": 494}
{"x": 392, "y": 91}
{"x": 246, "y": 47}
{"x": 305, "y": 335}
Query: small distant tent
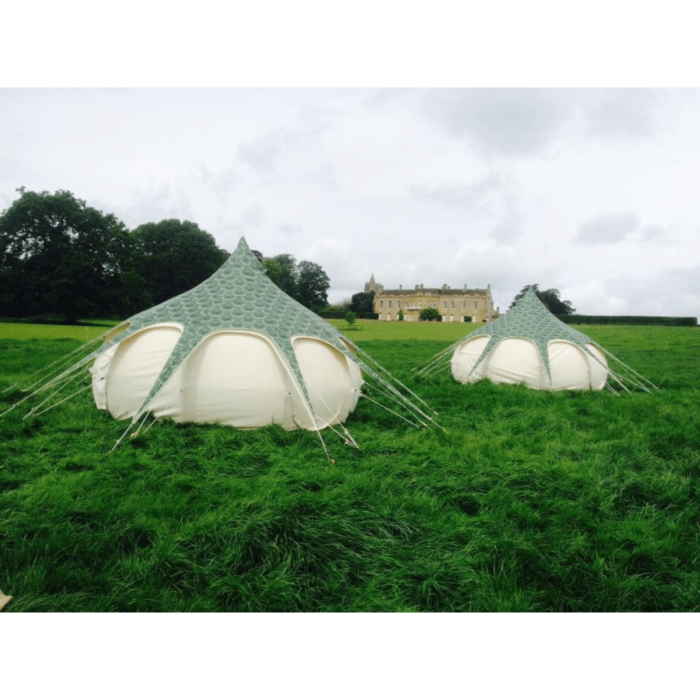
{"x": 529, "y": 345}
{"x": 234, "y": 350}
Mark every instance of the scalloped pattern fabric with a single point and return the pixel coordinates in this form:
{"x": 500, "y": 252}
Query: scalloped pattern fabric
{"x": 238, "y": 296}
{"x": 530, "y": 319}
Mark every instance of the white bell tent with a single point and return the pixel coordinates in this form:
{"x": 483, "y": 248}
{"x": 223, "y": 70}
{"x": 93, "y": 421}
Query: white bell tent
{"x": 529, "y": 345}
{"x": 234, "y": 350}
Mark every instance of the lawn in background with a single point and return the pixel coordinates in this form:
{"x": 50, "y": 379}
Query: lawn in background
{"x": 527, "y": 501}
{"x": 36, "y": 331}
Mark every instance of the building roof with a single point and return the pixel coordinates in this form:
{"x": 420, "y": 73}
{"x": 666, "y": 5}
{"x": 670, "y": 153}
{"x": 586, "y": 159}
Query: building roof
{"x": 434, "y": 291}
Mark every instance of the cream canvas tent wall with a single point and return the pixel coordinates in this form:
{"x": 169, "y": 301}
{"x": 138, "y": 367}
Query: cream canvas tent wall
{"x": 529, "y": 345}
{"x": 235, "y": 350}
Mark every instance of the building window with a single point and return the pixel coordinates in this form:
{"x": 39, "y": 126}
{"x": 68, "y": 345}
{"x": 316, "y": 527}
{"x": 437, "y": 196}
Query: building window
{"x": 452, "y": 304}
{"x": 379, "y": 317}
{"x": 464, "y": 304}
{"x": 389, "y": 303}
{"x": 444, "y": 304}
{"x": 398, "y": 304}
{"x": 381, "y": 304}
{"x": 388, "y": 316}
{"x": 476, "y": 304}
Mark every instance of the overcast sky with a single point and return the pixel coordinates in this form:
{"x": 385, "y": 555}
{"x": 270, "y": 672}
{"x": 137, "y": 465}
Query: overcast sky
{"x": 592, "y": 192}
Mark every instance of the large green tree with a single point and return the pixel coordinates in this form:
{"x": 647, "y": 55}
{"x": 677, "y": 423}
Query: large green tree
{"x": 312, "y": 285}
{"x": 174, "y": 256}
{"x": 549, "y": 297}
{"x": 304, "y": 281}
{"x": 282, "y": 270}
{"x": 59, "y": 256}
{"x": 362, "y": 301}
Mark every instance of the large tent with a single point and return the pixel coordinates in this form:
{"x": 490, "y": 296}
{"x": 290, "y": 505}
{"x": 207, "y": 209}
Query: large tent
{"x": 529, "y": 345}
{"x": 234, "y": 350}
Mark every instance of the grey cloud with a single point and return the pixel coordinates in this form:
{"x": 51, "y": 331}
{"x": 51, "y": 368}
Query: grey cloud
{"x": 620, "y": 112}
{"x": 382, "y": 98}
{"x": 253, "y": 216}
{"x": 653, "y": 233}
{"x": 289, "y": 229}
{"x": 222, "y": 183}
{"x": 264, "y": 152}
{"x": 324, "y": 177}
{"x": 673, "y": 292}
{"x": 507, "y": 230}
{"x": 156, "y": 204}
{"x": 607, "y": 228}
{"x": 474, "y": 197}
{"x": 249, "y": 221}
{"x": 507, "y": 122}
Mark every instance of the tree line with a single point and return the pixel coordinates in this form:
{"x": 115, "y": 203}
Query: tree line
{"x": 59, "y": 256}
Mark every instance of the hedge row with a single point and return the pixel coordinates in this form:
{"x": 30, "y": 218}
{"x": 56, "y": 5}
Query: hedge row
{"x": 343, "y": 314}
{"x": 629, "y": 320}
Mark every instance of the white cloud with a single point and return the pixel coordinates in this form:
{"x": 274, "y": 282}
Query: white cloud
{"x": 566, "y": 188}
{"x": 508, "y": 229}
{"x": 264, "y": 152}
{"x": 223, "y": 182}
{"x": 502, "y": 122}
{"x": 620, "y": 113}
{"x": 653, "y": 233}
{"x": 289, "y": 229}
{"x": 478, "y": 196}
{"x": 607, "y": 228}
{"x": 152, "y": 204}
{"x": 671, "y": 292}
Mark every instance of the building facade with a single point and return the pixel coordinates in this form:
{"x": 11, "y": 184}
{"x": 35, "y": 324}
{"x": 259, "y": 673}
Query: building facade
{"x": 453, "y": 305}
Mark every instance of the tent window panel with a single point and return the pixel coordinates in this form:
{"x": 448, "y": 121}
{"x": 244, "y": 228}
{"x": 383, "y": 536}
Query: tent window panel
{"x": 135, "y": 367}
{"x": 332, "y": 381}
{"x": 236, "y": 379}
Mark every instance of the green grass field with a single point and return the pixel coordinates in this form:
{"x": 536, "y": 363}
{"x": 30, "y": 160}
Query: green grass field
{"x": 530, "y": 501}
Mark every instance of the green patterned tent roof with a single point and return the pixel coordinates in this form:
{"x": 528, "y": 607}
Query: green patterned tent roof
{"x": 530, "y": 319}
{"x": 239, "y": 296}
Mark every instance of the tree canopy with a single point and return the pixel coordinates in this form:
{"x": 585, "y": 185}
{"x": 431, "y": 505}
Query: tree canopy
{"x": 282, "y": 270}
{"x": 305, "y": 281}
{"x": 362, "y": 302}
{"x": 312, "y": 285}
{"x": 59, "y": 256}
{"x": 429, "y": 314}
{"x": 174, "y": 256}
{"x": 549, "y": 297}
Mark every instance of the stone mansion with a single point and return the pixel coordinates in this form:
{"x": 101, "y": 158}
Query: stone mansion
{"x": 454, "y": 305}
